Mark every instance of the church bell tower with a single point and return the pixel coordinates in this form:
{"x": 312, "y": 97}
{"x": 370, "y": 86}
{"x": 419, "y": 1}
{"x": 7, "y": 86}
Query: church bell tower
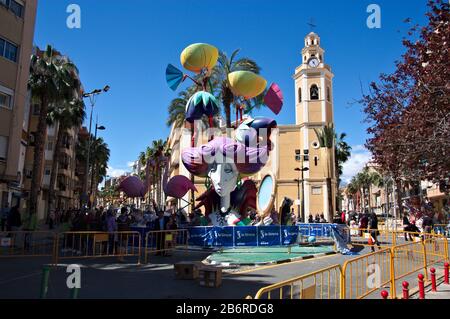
{"x": 314, "y": 110}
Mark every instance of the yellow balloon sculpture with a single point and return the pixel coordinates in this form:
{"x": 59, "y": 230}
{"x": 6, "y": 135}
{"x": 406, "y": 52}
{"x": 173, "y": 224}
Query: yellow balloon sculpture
{"x": 246, "y": 84}
{"x": 198, "y": 56}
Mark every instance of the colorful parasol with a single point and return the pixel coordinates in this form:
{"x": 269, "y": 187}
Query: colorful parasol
{"x": 178, "y": 186}
{"x": 199, "y": 56}
{"x": 201, "y": 103}
{"x": 246, "y": 84}
{"x": 173, "y": 77}
{"x": 274, "y": 98}
{"x": 132, "y": 186}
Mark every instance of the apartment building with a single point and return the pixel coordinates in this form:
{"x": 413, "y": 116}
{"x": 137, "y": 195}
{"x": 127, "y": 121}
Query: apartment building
{"x": 17, "y": 21}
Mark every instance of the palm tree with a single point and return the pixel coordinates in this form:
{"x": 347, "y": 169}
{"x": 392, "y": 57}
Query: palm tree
{"x": 158, "y": 156}
{"x": 326, "y": 137}
{"x": 177, "y": 109}
{"x": 68, "y": 115}
{"x": 364, "y": 180}
{"x": 51, "y": 81}
{"x": 352, "y": 191}
{"x": 100, "y": 158}
{"x": 219, "y": 78}
{"x": 341, "y": 155}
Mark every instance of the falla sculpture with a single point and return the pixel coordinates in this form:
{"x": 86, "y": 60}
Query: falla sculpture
{"x": 226, "y": 163}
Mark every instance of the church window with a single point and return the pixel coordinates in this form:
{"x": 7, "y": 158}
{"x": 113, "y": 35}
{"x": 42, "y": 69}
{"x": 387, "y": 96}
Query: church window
{"x": 299, "y": 95}
{"x": 314, "y": 92}
{"x": 328, "y": 94}
{"x": 316, "y": 190}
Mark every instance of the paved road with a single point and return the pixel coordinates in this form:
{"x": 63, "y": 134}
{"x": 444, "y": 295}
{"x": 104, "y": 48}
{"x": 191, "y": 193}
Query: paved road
{"x": 105, "y": 278}
{"x": 21, "y": 278}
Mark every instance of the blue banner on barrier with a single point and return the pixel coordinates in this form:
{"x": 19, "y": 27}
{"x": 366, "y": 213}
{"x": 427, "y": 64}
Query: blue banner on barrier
{"x": 197, "y": 236}
{"x": 289, "y": 235}
{"x": 246, "y": 236}
{"x": 269, "y": 236}
{"x": 222, "y": 236}
{"x": 273, "y": 235}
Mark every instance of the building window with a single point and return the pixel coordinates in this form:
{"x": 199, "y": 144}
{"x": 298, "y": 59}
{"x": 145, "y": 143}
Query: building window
{"x": 298, "y": 156}
{"x": 50, "y": 145}
{"x": 5, "y": 100}
{"x": 3, "y": 147}
{"x": 2, "y": 46}
{"x": 8, "y": 50}
{"x": 328, "y": 94}
{"x": 17, "y": 8}
{"x": 47, "y": 171}
{"x": 316, "y": 159}
{"x": 314, "y": 92}
{"x": 14, "y": 6}
{"x": 316, "y": 190}
{"x": 299, "y": 95}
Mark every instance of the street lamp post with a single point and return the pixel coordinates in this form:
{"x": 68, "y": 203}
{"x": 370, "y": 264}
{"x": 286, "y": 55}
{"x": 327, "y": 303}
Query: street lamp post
{"x": 302, "y": 169}
{"x": 101, "y": 128}
{"x": 92, "y": 98}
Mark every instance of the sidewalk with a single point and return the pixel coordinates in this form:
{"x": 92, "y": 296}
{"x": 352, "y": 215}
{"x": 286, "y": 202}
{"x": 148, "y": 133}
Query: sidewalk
{"x": 443, "y": 292}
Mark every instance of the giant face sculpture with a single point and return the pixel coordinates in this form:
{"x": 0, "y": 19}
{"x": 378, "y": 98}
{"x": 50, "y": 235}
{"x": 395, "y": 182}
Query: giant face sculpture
{"x": 224, "y": 161}
{"x": 224, "y": 177}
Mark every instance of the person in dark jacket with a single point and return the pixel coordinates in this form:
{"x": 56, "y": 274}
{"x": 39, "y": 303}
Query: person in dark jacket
{"x": 427, "y": 225}
{"x": 363, "y": 223}
{"x": 373, "y": 230}
{"x": 161, "y": 225}
{"x": 14, "y": 219}
{"x": 407, "y": 227}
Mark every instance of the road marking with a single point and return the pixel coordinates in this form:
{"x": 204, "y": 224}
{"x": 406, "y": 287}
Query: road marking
{"x": 280, "y": 265}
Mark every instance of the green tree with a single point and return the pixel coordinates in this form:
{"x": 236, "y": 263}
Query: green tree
{"x": 342, "y": 153}
{"x": 67, "y": 115}
{"x": 219, "y": 78}
{"x": 326, "y": 137}
{"x": 100, "y": 157}
{"x": 51, "y": 81}
{"x": 353, "y": 191}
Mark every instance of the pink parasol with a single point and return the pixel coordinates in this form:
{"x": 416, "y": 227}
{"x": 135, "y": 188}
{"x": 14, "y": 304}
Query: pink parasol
{"x": 274, "y": 98}
{"x": 132, "y": 186}
{"x": 178, "y": 186}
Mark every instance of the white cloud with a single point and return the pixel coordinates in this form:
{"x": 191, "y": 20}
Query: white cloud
{"x": 130, "y": 164}
{"x": 358, "y": 159}
{"x": 115, "y": 172}
{"x": 358, "y": 148}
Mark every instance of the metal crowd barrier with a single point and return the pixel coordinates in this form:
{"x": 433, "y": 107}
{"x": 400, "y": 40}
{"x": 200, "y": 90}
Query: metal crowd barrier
{"x": 358, "y": 274}
{"x": 164, "y": 241}
{"x": 80, "y": 244}
{"x": 27, "y": 244}
{"x": 321, "y": 284}
{"x": 358, "y": 277}
{"x": 442, "y": 229}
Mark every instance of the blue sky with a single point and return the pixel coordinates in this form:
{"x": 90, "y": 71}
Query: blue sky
{"x": 127, "y": 44}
